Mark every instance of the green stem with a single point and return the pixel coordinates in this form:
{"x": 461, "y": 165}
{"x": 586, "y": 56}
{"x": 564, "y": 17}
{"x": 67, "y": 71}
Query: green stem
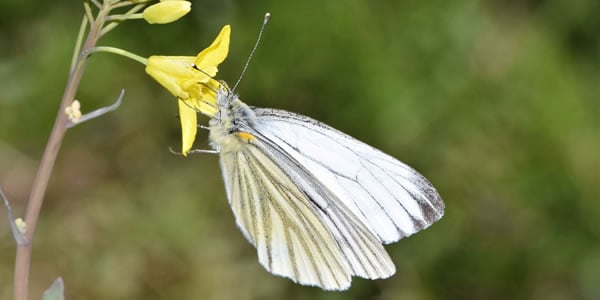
{"x": 125, "y": 17}
{"x": 88, "y": 12}
{"x": 79, "y": 42}
{"x": 129, "y": 3}
{"x": 114, "y": 24}
{"x": 96, "y": 3}
{"x": 118, "y": 51}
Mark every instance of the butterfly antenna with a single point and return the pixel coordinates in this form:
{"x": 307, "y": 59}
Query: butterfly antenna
{"x": 262, "y": 28}
{"x": 207, "y": 75}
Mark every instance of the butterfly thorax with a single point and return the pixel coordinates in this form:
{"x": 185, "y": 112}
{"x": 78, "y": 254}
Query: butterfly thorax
{"x": 229, "y": 129}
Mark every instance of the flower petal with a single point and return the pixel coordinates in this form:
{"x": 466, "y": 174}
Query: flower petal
{"x": 209, "y": 58}
{"x": 189, "y": 126}
{"x": 171, "y": 72}
{"x": 204, "y": 99}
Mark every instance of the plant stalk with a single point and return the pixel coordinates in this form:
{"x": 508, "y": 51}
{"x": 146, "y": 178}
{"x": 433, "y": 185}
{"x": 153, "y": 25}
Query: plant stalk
{"x": 38, "y": 190}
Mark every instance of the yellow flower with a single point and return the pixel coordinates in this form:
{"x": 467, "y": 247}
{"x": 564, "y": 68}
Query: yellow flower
{"x": 166, "y": 11}
{"x": 189, "y": 78}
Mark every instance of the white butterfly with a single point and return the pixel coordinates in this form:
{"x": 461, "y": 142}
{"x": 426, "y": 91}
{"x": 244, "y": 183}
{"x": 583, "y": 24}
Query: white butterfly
{"x": 316, "y": 203}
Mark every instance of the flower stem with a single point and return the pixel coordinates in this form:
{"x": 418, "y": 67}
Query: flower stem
{"x": 121, "y": 52}
{"x": 88, "y": 12}
{"x": 79, "y": 41}
{"x": 114, "y": 24}
{"x": 38, "y": 190}
{"x": 126, "y": 17}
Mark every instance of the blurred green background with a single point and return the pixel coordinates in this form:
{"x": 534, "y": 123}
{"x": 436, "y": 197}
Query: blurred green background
{"x": 496, "y": 102}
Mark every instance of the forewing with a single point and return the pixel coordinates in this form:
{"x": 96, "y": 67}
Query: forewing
{"x": 390, "y": 197}
{"x": 286, "y": 215}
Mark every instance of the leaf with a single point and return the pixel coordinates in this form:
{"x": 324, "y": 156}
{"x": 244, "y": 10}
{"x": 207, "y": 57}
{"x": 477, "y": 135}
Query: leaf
{"x": 55, "y": 291}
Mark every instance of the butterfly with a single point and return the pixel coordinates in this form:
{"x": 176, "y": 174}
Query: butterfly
{"x": 317, "y": 204}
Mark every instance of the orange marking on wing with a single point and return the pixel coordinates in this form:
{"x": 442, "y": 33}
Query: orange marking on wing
{"x": 247, "y": 137}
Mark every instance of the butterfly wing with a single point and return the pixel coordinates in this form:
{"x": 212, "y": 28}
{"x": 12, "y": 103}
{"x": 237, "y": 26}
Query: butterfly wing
{"x": 285, "y": 215}
{"x": 318, "y": 204}
{"x": 391, "y": 197}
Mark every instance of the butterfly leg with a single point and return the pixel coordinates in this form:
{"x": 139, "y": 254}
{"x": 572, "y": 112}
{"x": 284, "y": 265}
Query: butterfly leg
{"x": 217, "y": 151}
{"x": 194, "y": 151}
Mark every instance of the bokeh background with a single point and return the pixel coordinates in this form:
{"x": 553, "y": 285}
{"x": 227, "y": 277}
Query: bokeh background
{"x": 496, "y": 102}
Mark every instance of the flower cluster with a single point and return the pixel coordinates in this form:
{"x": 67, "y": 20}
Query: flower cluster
{"x": 189, "y": 78}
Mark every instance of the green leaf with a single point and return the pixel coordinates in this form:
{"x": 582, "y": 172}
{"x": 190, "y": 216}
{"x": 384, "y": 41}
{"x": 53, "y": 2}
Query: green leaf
{"x": 55, "y": 291}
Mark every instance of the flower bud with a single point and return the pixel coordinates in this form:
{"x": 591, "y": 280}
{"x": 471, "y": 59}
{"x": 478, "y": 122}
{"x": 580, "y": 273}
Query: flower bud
{"x": 166, "y": 11}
